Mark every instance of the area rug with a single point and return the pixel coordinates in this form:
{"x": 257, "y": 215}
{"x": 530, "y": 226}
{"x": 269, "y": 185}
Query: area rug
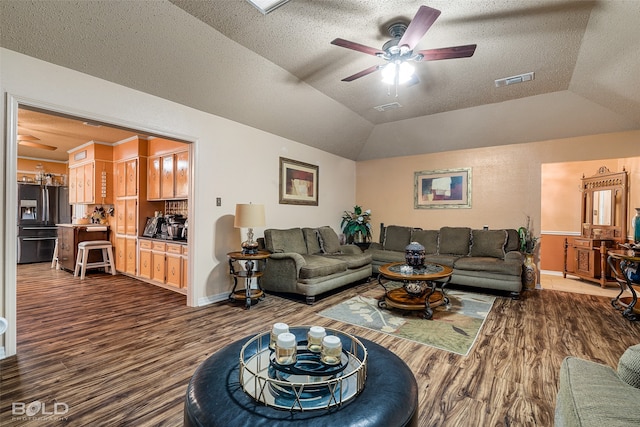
{"x": 453, "y": 328}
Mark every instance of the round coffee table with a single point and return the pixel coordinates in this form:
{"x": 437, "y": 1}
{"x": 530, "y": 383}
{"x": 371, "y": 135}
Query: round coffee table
{"x": 419, "y": 290}
{"x": 214, "y": 396}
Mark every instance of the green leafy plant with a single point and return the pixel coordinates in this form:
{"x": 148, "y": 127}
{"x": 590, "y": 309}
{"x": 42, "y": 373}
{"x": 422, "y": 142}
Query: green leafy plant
{"x": 356, "y": 222}
{"x": 528, "y": 241}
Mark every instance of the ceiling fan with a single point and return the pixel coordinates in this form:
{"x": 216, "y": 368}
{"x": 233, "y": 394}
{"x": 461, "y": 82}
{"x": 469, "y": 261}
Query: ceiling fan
{"x": 398, "y": 52}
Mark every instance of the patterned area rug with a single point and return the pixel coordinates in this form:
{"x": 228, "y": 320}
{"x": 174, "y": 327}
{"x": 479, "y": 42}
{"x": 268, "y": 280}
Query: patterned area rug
{"x": 454, "y": 328}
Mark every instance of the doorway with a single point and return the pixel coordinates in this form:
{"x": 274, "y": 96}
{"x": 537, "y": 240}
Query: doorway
{"x": 15, "y": 127}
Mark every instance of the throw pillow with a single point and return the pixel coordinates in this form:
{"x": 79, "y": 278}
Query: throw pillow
{"x": 291, "y": 240}
{"x": 513, "y": 241}
{"x": 311, "y": 237}
{"x": 396, "y": 238}
{"x": 427, "y": 238}
{"x": 629, "y": 366}
{"x": 454, "y": 240}
{"x": 488, "y": 243}
{"x": 328, "y": 239}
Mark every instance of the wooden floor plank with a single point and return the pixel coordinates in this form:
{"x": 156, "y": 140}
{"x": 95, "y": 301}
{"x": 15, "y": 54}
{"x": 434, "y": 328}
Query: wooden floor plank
{"x": 121, "y": 352}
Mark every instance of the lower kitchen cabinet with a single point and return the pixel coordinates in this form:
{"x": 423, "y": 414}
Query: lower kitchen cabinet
{"x": 163, "y": 262}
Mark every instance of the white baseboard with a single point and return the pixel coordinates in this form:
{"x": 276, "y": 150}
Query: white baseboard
{"x": 210, "y": 299}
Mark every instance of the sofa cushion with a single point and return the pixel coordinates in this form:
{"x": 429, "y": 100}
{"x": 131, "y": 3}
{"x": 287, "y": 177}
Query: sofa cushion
{"x": 291, "y": 240}
{"x": 311, "y": 238}
{"x": 490, "y": 265}
{"x": 454, "y": 240}
{"x": 320, "y": 266}
{"x": 384, "y": 257}
{"x": 513, "y": 240}
{"x": 396, "y": 237}
{"x": 428, "y": 239}
{"x": 353, "y": 260}
{"x": 488, "y": 243}
{"x": 328, "y": 239}
{"x": 629, "y": 366}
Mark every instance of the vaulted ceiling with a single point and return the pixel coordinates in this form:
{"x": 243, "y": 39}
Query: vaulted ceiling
{"x": 280, "y": 73}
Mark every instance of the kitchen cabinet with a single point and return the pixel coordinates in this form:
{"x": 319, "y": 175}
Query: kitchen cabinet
{"x": 182, "y": 175}
{"x": 158, "y": 262}
{"x": 153, "y": 186}
{"x": 144, "y": 258}
{"x": 168, "y": 176}
{"x": 167, "y": 180}
{"x": 91, "y": 174}
{"x": 126, "y": 176}
{"x": 163, "y": 262}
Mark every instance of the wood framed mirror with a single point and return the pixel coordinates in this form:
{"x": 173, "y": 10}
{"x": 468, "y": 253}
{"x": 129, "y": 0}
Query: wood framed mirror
{"x": 604, "y": 205}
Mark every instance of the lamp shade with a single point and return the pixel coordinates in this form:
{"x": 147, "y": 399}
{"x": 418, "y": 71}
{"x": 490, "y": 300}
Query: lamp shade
{"x": 249, "y": 216}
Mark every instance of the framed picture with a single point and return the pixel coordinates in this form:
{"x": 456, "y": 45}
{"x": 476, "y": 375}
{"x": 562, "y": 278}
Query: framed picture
{"x": 448, "y": 188}
{"x": 298, "y": 183}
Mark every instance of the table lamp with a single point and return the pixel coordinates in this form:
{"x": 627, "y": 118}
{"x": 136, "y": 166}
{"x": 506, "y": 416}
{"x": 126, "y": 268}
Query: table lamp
{"x": 249, "y": 216}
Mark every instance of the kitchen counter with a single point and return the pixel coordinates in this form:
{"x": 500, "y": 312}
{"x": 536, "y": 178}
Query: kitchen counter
{"x": 89, "y": 226}
{"x": 160, "y": 239}
{"x": 69, "y": 235}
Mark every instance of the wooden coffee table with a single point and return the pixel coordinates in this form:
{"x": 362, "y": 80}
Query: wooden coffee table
{"x": 419, "y": 290}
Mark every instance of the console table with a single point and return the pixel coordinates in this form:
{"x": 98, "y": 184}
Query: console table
{"x": 629, "y": 261}
{"x": 214, "y": 396}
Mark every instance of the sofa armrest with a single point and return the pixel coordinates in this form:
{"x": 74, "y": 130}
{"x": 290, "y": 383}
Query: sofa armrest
{"x": 514, "y": 255}
{"x": 295, "y": 257}
{"x": 350, "y": 249}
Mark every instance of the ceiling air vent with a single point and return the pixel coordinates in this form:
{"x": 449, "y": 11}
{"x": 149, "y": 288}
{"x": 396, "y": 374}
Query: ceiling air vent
{"x": 514, "y": 79}
{"x": 387, "y": 107}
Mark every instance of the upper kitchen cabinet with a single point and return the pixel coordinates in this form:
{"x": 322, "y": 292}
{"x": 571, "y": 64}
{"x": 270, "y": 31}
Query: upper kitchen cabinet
{"x": 90, "y": 174}
{"x": 168, "y": 177}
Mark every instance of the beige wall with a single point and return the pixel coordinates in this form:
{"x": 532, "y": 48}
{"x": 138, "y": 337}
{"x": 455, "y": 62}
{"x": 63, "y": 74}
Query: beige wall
{"x": 235, "y": 162}
{"x": 506, "y": 181}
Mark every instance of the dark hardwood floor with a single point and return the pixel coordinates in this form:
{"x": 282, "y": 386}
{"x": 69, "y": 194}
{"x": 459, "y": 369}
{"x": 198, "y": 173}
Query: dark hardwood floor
{"x": 121, "y": 352}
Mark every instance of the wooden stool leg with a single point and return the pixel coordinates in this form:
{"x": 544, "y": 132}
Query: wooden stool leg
{"x": 112, "y": 267}
{"x": 85, "y": 258}
{"x": 54, "y": 260}
{"x": 78, "y": 260}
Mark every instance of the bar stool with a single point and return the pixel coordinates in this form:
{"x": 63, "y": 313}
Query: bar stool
{"x": 83, "y": 255}
{"x": 54, "y": 261}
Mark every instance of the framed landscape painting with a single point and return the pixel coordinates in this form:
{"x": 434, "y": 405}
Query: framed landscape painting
{"x": 298, "y": 183}
{"x": 447, "y": 188}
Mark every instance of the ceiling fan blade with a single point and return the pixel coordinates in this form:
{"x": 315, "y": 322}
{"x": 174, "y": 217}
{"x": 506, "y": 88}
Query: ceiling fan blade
{"x": 447, "y": 52}
{"x": 34, "y": 144}
{"x": 362, "y": 73}
{"x": 357, "y": 46}
{"x": 424, "y": 19}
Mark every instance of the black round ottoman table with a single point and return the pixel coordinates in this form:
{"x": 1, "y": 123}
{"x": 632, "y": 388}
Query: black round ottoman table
{"x": 215, "y": 398}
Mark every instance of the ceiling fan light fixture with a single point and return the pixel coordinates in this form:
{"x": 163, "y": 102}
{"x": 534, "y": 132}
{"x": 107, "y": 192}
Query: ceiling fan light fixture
{"x": 38, "y": 145}
{"x": 404, "y": 70}
{"x": 27, "y": 138}
{"x": 266, "y": 6}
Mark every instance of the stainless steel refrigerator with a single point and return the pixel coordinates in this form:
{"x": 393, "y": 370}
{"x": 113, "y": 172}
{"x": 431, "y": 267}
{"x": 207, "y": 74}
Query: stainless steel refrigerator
{"x": 40, "y": 208}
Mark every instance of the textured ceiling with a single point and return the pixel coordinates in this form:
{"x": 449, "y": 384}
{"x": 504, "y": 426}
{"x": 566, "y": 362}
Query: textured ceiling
{"x": 279, "y": 72}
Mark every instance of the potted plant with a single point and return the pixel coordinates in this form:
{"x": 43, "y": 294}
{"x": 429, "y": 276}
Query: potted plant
{"x": 528, "y": 244}
{"x": 355, "y": 225}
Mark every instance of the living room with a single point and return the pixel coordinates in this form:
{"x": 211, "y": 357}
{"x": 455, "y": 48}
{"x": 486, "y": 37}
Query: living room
{"x": 238, "y": 163}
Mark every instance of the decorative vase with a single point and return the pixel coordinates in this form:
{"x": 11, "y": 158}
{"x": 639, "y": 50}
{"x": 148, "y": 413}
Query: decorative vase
{"x": 358, "y": 237}
{"x": 530, "y": 272}
{"x": 414, "y": 254}
{"x": 636, "y": 226}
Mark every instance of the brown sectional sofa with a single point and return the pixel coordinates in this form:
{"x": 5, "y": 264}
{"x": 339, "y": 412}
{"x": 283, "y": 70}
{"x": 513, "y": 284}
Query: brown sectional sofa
{"x": 311, "y": 261}
{"x": 480, "y": 258}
